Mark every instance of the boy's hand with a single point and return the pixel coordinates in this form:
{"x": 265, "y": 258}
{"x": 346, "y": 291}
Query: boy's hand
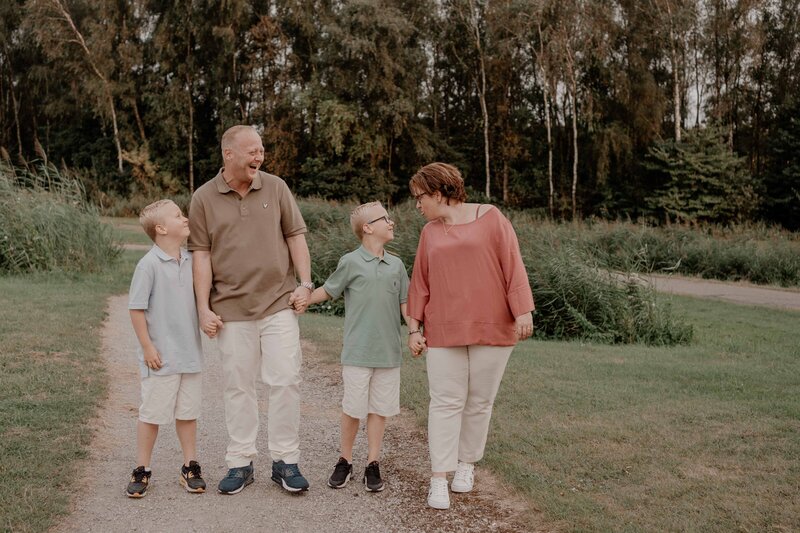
{"x": 298, "y": 300}
{"x": 152, "y": 358}
{"x": 210, "y": 322}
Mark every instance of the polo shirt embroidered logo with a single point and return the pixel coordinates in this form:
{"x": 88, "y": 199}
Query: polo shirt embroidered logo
{"x": 266, "y": 205}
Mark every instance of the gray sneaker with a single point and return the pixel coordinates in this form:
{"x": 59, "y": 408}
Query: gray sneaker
{"x": 288, "y": 476}
{"x": 236, "y": 480}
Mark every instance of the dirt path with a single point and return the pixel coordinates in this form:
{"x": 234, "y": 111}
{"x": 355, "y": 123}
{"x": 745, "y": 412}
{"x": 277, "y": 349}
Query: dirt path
{"x": 101, "y": 506}
{"x": 739, "y": 293}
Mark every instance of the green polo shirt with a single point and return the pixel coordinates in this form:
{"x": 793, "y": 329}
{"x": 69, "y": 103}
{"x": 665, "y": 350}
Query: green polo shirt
{"x": 373, "y": 290}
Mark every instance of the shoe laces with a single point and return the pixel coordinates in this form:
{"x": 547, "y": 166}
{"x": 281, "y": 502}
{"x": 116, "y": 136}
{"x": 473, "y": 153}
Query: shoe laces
{"x": 438, "y": 488}
{"x": 236, "y": 472}
{"x": 342, "y": 466}
{"x": 373, "y": 470}
{"x": 139, "y": 475}
{"x": 193, "y": 470}
{"x": 291, "y": 470}
{"x": 465, "y": 472}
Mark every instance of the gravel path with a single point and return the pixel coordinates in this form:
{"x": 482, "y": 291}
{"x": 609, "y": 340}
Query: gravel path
{"x": 99, "y": 504}
{"x": 739, "y": 293}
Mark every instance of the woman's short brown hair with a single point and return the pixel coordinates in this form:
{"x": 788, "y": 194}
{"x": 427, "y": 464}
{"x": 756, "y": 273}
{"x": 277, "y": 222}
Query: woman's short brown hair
{"x": 440, "y": 177}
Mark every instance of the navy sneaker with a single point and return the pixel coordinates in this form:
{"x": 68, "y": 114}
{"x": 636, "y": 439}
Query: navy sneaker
{"x": 288, "y": 476}
{"x": 341, "y": 474}
{"x": 236, "y": 480}
{"x": 140, "y": 480}
{"x": 372, "y": 477}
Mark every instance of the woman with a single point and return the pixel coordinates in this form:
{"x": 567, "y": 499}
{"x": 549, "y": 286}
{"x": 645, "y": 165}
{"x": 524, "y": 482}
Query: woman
{"x": 469, "y": 302}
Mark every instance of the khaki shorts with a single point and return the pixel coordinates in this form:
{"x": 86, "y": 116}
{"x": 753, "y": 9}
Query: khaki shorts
{"x": 168, "y": 398}
{"x": 370, "y": 390}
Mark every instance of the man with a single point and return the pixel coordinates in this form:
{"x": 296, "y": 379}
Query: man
{"x": 248, "y": 239}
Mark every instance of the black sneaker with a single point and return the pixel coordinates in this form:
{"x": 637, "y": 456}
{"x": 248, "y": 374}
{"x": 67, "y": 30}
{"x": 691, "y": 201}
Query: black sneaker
{"x": 191, "y": 478}
{"x": 236, "y": 479}
{"x": 288, "y": 476}
{"x": 372, "y": 477}
{"x": 341, "y": 474}
{"x": 140, "y": 479}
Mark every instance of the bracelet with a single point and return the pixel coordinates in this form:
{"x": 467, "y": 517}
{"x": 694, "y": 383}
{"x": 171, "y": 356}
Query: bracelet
{"x": 415, "y": 331}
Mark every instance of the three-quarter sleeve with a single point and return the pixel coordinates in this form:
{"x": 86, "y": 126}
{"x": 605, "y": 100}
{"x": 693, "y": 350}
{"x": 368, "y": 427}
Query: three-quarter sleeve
{"x": 518, "y": 288}
{"x": 419, "y": 290}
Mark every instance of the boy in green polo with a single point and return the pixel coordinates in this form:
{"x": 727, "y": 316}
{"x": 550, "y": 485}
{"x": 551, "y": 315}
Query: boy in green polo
{"x": 375, "y": 287}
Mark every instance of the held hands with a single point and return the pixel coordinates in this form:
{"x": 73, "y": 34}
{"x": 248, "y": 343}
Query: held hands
{"x": 417, "y": 344}
{"x": 524, "y": 326}
{"x": 298, "y": 300}
{"x": 152, "y": 358}
{"x": 210, "y": 323}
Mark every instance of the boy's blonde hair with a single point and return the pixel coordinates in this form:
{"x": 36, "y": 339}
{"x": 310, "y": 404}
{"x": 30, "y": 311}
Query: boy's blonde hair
{"x": 151, "y": 216}
{"x": 359, "y": 217}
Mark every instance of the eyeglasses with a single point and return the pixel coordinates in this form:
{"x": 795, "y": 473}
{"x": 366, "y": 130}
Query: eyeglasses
{"x": 416, "y": 197}
{"x": 384, "y": 217}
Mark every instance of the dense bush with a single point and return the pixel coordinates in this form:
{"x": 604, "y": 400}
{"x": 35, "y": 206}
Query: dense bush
{"x": 46, "y": 224}
{"x": 757, "y": 254}
{"x": 574, "y": 298}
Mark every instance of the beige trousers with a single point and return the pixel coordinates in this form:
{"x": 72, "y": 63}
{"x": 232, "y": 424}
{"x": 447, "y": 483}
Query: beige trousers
{"x": 463, "y": 382}
{"x": 269, "y": 348}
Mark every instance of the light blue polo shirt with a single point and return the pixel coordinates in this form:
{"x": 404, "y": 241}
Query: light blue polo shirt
{"x": 373, "y": 290}
{"x": 164, "y": 289}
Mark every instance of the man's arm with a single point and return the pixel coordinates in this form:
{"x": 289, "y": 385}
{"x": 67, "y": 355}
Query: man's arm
{"x": 210, "y": 322}
{"x": 301, "y": 258}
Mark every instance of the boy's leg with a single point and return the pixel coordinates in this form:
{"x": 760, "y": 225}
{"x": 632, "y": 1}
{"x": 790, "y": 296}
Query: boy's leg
{"x": 187, "y": 435}
{"x": 187, "y": 411}
{"x": 349, "y": 427}
{"x": 384, "y": 401}
{"x": 376, "y": 424}
{"x": 145, "y": 440}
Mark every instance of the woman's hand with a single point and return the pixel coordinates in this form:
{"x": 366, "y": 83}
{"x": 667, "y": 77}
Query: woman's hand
{"x": 524, "y": 326}
{"x": 416, "y": 343}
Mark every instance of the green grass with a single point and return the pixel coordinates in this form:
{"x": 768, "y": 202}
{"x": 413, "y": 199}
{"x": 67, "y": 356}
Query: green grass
{"x": 52, "y": 381}
{"x": 127, "y": 230}
{"x": 704, "y": 437}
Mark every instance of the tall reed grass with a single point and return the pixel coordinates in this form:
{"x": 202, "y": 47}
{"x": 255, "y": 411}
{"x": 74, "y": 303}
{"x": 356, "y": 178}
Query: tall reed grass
{"x": 575, "y": 298}
{"x": 47, "y": 224}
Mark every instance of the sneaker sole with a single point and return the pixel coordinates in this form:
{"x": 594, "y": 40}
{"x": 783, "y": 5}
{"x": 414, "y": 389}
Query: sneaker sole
{"x": 461, "y": 490}
{"x": 190, "y": 489}
{"x": 339, "y": 486}
{"x": 283, "y": 484}
{"x": 439, "y": 506}
{"x": 237, "y": 491}
{"x": 135, "y": 494}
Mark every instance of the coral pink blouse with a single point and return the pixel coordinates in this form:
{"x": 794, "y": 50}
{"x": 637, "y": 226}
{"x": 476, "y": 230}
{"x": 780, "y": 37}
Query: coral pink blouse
{"x": 469, "y": 283}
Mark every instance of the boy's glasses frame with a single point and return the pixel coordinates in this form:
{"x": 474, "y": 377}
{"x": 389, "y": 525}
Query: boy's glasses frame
{"x": 384, "y": 217}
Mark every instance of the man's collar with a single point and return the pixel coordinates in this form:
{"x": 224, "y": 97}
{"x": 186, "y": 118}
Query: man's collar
{"x": 224, "y": 188}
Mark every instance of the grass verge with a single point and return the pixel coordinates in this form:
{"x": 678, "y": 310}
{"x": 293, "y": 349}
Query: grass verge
{"x": 643, "y": 438}
{"x": 52, "y": 381}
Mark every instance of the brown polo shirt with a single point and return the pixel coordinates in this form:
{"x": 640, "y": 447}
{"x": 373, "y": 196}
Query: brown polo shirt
{"x": 252, "y": 272}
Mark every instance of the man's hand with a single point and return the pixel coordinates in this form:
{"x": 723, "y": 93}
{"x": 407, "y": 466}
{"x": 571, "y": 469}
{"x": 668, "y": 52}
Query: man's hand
{"x": 152, "y": 359}
{"x": 524, "y": 326}
{"x": 299, "y": 300}
{"x": 210, "y": 322}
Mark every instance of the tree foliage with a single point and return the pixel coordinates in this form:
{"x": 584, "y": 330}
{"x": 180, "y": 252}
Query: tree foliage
{"x": 548, "y": 104}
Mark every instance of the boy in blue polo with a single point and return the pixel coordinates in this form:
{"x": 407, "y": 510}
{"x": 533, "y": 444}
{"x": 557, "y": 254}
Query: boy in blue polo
{"x": 375, "y": 287}
{"x": 164, "y": 317}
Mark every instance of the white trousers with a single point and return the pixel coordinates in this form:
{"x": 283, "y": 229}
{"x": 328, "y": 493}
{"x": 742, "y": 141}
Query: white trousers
{"x": 269, "y": 348}
{"x": 463, "y": 382}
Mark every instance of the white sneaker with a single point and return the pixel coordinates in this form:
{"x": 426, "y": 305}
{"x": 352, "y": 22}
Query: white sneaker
{"x": 464, "y": 477}
{"x": 438, "y": 497}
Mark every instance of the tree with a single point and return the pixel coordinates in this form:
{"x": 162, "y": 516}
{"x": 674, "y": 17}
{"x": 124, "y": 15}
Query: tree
{"x": 703, "y": 180}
